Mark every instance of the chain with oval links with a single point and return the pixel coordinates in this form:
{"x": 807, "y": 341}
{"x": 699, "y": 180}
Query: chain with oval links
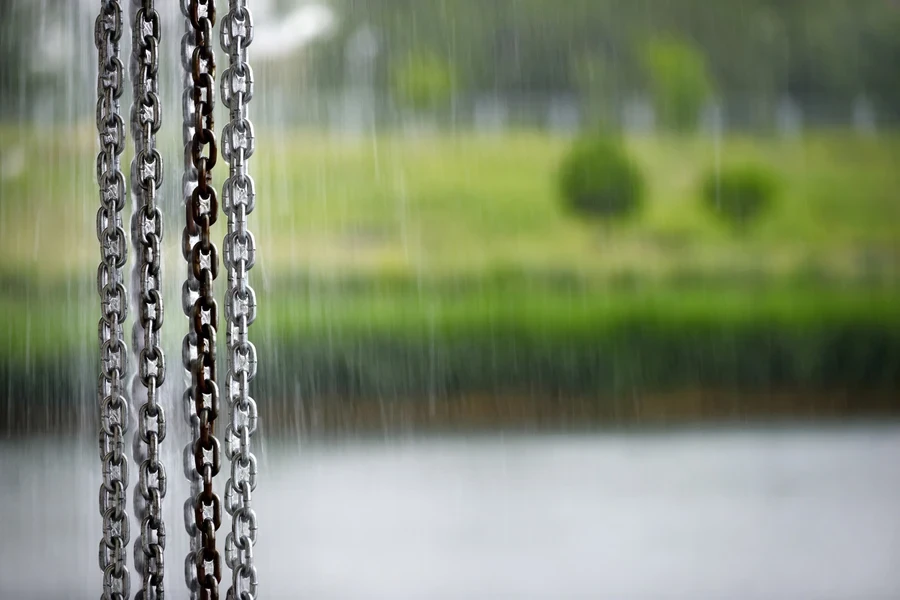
{"x": 189, "y": 295}
{"x": 146, "y": 232}
{"x": 114, "y": 305}
{"x": 238, "y": 200}
{"x": 204, "y": 570}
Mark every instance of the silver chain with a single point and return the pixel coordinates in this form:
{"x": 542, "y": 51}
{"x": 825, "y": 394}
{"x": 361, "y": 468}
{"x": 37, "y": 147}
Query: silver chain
{"x": 147, "y": 232}
{"x": 189, "y": 294}
{"x": 114, "y": 305}
{"x": 238, "y": 200}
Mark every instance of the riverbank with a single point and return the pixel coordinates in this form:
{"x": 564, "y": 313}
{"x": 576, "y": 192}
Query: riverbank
{"x": 560, "y": 353}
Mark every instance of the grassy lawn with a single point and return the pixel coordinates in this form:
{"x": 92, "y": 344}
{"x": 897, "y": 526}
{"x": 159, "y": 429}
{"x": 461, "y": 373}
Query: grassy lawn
{"x": 401, "y": 265}
{"x": 469, "y": 204}
{"x": 465, "y": 205}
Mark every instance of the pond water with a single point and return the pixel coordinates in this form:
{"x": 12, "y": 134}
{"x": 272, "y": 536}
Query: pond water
{"x": 726, "y": 513}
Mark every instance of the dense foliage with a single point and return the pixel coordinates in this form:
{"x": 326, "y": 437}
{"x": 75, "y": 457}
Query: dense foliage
{"x": 814, "y": 50}
{"x": 518, "y": 344}
{"x": 810, "y": 49}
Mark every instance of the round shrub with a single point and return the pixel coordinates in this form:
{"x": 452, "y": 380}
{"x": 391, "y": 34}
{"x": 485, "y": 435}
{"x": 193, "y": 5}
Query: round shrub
{"x": 740, "y": 194}
{"x": 598, "y": 179}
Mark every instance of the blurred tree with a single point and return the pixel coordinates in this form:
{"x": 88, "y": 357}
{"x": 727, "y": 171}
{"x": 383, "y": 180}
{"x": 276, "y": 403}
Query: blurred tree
{"x": 754, "y": 49}
{"x": 423, "y": 81}
{"x": 679, "y": 80}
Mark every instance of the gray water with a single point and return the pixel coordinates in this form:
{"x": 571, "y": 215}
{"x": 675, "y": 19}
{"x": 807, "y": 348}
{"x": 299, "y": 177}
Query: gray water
{"x": 727, "y": 514}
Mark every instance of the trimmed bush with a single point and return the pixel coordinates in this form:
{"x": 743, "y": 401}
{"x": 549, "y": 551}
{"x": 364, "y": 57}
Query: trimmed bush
{"x": 739, "y": 195}
{"x": 598, "y": 179}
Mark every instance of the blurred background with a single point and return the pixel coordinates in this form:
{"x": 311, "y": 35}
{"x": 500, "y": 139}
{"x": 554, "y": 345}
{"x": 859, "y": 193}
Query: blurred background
{"x": 588, "y": 298}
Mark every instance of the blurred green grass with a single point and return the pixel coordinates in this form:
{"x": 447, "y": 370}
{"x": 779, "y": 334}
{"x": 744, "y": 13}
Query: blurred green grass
{"x": 460, "y": 204}
{"x": 513, "y": 340}
{"x": 464, "y": 204}
{"x": 50, "y": 321}
{"x": 400, "y": 266}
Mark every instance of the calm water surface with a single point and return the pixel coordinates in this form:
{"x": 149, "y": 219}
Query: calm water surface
{"x": 730, "y": 514}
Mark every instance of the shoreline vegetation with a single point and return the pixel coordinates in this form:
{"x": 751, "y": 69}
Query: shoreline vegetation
{"x": 437, "y": 360}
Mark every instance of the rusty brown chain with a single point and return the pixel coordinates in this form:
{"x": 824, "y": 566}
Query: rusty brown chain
{"x": 239, "y": 198}
{"x": 146, "y": 232}
{"x": 114, "y": 305}
{"x": 204, "y": 565}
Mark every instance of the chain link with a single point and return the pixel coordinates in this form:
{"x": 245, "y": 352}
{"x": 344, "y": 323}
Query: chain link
{"x": 203, "y": 565}
{"x": 114, "y": 305}
{"x": 190, "y": 293}
{"x": 147, "y": 233}
{"x": 238, "y": 198}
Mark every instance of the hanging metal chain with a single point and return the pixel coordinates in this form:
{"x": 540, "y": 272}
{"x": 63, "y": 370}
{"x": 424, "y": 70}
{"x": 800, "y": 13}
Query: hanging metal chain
{"x": 189, "y": 295}
{"x": 204, "y": 564}
{"x": 114, "y": 305}
{"x": 147, "y": 232}
{"x": 239, "y": 198}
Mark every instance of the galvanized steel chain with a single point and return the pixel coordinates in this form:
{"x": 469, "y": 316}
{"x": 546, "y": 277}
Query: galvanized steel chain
{"x": 190, "y": 292}
{"x": 204, "y": 563}
{"x": 114, "y": 305}
{"x": 147, "y": 232}
{"x": 239, "y": 255}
